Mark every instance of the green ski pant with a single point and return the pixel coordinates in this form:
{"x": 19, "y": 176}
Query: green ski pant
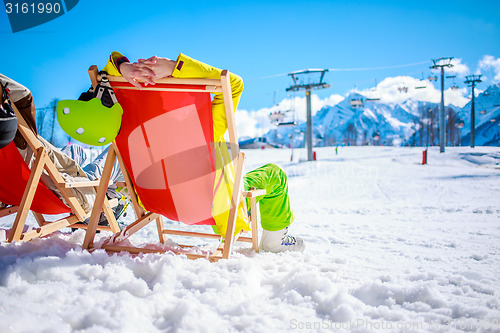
{"x": 274, "y": 206}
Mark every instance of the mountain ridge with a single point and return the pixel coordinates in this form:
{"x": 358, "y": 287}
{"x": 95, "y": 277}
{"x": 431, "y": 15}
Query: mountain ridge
{"x": 359, "y": 120}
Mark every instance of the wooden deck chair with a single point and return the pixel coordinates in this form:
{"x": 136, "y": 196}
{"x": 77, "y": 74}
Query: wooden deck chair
{"x": 21, "y": 191}
{"x": 166, "y": 154}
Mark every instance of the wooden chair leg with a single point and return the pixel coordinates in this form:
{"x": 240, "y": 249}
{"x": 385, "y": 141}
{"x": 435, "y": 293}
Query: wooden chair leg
{"x": 139, "y": 211}
{"x": 132, "y": 228}
{"x": 99, "y": 200}
{"x": 49, "y": 228}
{"x": 113, "y": 224}
{"x": 29, "y": 194}
{"x": 238, "y": 180}
{"x": 39, "y": 218}
{"x": 253, "y": 223}
{"x": 159, "y": 225}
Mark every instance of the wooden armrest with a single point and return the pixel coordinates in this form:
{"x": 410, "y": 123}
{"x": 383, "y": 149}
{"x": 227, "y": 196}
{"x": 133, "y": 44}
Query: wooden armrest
{"x": 121, "y": 184}
{"x": 253, "y": 193}
{"x": 81, "y": 184}
{"x": 113, "y": 202}
{"x": 92, "y": 183}
{"x": 8, "y": 210}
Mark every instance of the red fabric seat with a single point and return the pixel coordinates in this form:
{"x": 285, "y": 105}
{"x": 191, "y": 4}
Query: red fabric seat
{"x": 166, "y": 144}
{"x": 14, "y": 173}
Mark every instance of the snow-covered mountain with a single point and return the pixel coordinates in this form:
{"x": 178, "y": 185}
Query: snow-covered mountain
{"x": 358, "y": 120}
{"x": 487, "y": 106}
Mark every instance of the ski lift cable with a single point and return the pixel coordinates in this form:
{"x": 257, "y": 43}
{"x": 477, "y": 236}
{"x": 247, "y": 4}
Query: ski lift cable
{"x": 375, "y": 68}
{"x": 349, "y": 82}
{"x": 349, "y": 69}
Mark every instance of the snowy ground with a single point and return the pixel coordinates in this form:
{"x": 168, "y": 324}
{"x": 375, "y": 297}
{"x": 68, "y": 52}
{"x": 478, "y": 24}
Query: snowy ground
{"x": 392, "y": 246}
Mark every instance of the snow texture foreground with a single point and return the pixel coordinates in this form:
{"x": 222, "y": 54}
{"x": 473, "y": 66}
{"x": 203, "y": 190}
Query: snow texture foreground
{"x": 392, "y": 246}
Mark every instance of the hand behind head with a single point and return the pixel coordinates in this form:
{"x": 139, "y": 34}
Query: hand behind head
{"x": 161, "y": 67}
{"x": 134, "y": 71}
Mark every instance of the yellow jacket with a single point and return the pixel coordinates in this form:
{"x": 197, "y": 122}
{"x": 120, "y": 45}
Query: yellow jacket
{"x": 187, "y": 67}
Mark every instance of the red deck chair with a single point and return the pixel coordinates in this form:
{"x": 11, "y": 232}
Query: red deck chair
{"x": 166, "y": 152}
{"x": 22, "y": 191}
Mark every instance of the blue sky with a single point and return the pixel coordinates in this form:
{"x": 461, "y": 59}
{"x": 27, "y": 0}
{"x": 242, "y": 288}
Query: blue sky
{"x": 255, "y": 39}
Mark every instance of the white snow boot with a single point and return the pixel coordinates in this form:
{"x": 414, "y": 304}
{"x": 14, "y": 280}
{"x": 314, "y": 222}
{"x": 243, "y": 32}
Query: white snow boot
{"x": 280, "y": 241}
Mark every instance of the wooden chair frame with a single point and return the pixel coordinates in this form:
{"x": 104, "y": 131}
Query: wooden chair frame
{"x": 43, "y": 162}
{"x": 144, "y": 217}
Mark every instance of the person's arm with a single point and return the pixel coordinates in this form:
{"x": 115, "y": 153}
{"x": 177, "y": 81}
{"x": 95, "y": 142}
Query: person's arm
{"x": 183, "y": 67}
{"x": 161, "y": 67}
{"x": 119, "y": 65}
{"x": 114, "y": 61}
